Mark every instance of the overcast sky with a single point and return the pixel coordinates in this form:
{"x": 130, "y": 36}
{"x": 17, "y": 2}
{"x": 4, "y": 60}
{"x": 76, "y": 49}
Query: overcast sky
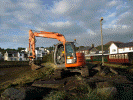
{"x": 75, "y": 19}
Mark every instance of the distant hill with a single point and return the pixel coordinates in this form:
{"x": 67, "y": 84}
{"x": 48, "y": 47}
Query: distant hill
{"x": 112, "y": 42}
{"x": 106, "y": 46}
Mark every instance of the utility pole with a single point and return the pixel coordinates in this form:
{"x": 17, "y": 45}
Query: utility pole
{"x": 102, "y": 41}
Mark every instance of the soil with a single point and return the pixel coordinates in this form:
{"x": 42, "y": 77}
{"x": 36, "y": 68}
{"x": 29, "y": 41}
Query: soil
{"x": 12, "y": 72}
{"x": 121, "y": 81}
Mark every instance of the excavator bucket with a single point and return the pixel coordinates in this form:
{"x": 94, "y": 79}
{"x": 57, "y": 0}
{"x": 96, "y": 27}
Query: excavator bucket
{"x": 34, "y": 66}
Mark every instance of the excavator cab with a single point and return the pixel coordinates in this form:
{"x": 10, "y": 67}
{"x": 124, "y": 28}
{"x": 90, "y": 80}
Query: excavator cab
{"x": 65, "y": 53}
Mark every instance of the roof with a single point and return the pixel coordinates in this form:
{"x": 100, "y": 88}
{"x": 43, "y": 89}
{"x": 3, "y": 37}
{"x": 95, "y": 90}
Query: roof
{"x": 93, "y": 49}
{"x": 106, "y": 52}
{"x": 84, "y": 48}
{"x": 12, "y": 52}
{"x": 129, "y": 44}
{"x": 110, "y": 42}
{"x": 121, "y": 45}
{"x": 117, "y": 44}
{"x": 23, "y": 52}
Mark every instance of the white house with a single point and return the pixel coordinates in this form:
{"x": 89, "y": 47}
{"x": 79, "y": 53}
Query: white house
{"x": 121, "y": 47}
{"x": 11, "y": 56}
{"x": 38, "y": 54}
{"x": 15, "y": 56}
{"x": 23, "y": 56}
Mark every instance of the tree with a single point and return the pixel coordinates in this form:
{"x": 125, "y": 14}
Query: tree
{"x": 2, "y": 50}
{"x": 76, "y": 48}
{"x": 81, "y": 46}
{"x": 20, "y": 48}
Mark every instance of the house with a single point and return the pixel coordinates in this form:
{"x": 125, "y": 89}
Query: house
{"x": 38, "y": 54}
{"x": 15, "y": 56}
{"x": 106, "y": 52}
{"x": 87, "y": 50}
{"x": 44, "y": 51}
{"x": 11, "y": 56}
{"x": 93, "y": 49}
{"x": 120, "y": 47}
{"x": 23, "y": 56}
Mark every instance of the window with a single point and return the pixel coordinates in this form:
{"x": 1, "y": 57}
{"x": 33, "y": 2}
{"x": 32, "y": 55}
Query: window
{"x": 20, "y": 59}
{"x": 38, "y": 55}
{"x": 92, "y": 52}
{"x": 126, "y": 56}
{"x": 122, "y": 56}
{"x": 86, "y": 52}
{"x": 39, "y": 51}
{"x": 25, "y": 55}
{"x": 119, "y": 56}
{"x": 9, "y": 55}
{"x": 101, "y": 51}
{"x": 88, "y": 57}
{"x": 113, "y": 50}
{"x": 130, "y": 48}
{"x": 15, "y": 59}
{"x": 113, "y": 56}
{"x": 20, "y": 54}
{"x": 109, "y": 56}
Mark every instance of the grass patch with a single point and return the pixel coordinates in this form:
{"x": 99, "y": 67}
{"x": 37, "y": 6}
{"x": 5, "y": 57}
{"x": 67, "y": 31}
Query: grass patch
{"x": 113, "y": 65}
{"x": 30, "y": 76}
{"x": 27, "y": 77}
{"x": 89, "y": 94}
{"x": 56, "y": 95}
{"x": 8, "y": 64}
{"x": 48, "y": 58}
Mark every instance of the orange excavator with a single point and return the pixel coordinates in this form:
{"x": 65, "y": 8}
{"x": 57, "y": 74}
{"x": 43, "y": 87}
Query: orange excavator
{"x": 65, "y": 55}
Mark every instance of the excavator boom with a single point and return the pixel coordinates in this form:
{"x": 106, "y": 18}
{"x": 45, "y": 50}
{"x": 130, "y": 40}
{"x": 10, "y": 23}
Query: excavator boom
{"x": 45, "y": 34}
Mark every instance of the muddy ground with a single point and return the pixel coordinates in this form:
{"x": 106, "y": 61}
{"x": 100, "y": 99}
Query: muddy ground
{"x": 123, "y": 81}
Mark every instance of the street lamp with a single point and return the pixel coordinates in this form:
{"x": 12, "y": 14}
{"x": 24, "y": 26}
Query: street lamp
{"x": 102, "y": 40}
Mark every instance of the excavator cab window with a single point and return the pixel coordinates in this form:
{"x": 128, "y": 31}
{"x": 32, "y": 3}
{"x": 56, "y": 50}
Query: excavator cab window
{"x": 59, "y": 55}
{"x": 70, "y": 53}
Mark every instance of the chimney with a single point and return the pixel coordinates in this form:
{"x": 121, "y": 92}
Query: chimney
{"x": 92, "y": 45}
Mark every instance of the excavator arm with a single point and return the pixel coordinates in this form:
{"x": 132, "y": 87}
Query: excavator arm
{"x": 45, "y": 34}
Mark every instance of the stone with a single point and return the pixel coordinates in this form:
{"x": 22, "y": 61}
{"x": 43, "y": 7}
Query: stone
{"x": 12, "y": 93}
{"x": 107, "y": 91}
{"x": 113, "y": 71}
{"x": 103, "y": 84}
{"x": 104, "y": 71}
{"x": 97, "y": 68}
{"x": 23, "y": 93}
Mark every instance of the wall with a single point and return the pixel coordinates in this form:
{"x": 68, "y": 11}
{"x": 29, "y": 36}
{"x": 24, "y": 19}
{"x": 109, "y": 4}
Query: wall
{"x": 126, "y": 49}
{"x": 6, "y": 56}
{"x": 113, "y": 47}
